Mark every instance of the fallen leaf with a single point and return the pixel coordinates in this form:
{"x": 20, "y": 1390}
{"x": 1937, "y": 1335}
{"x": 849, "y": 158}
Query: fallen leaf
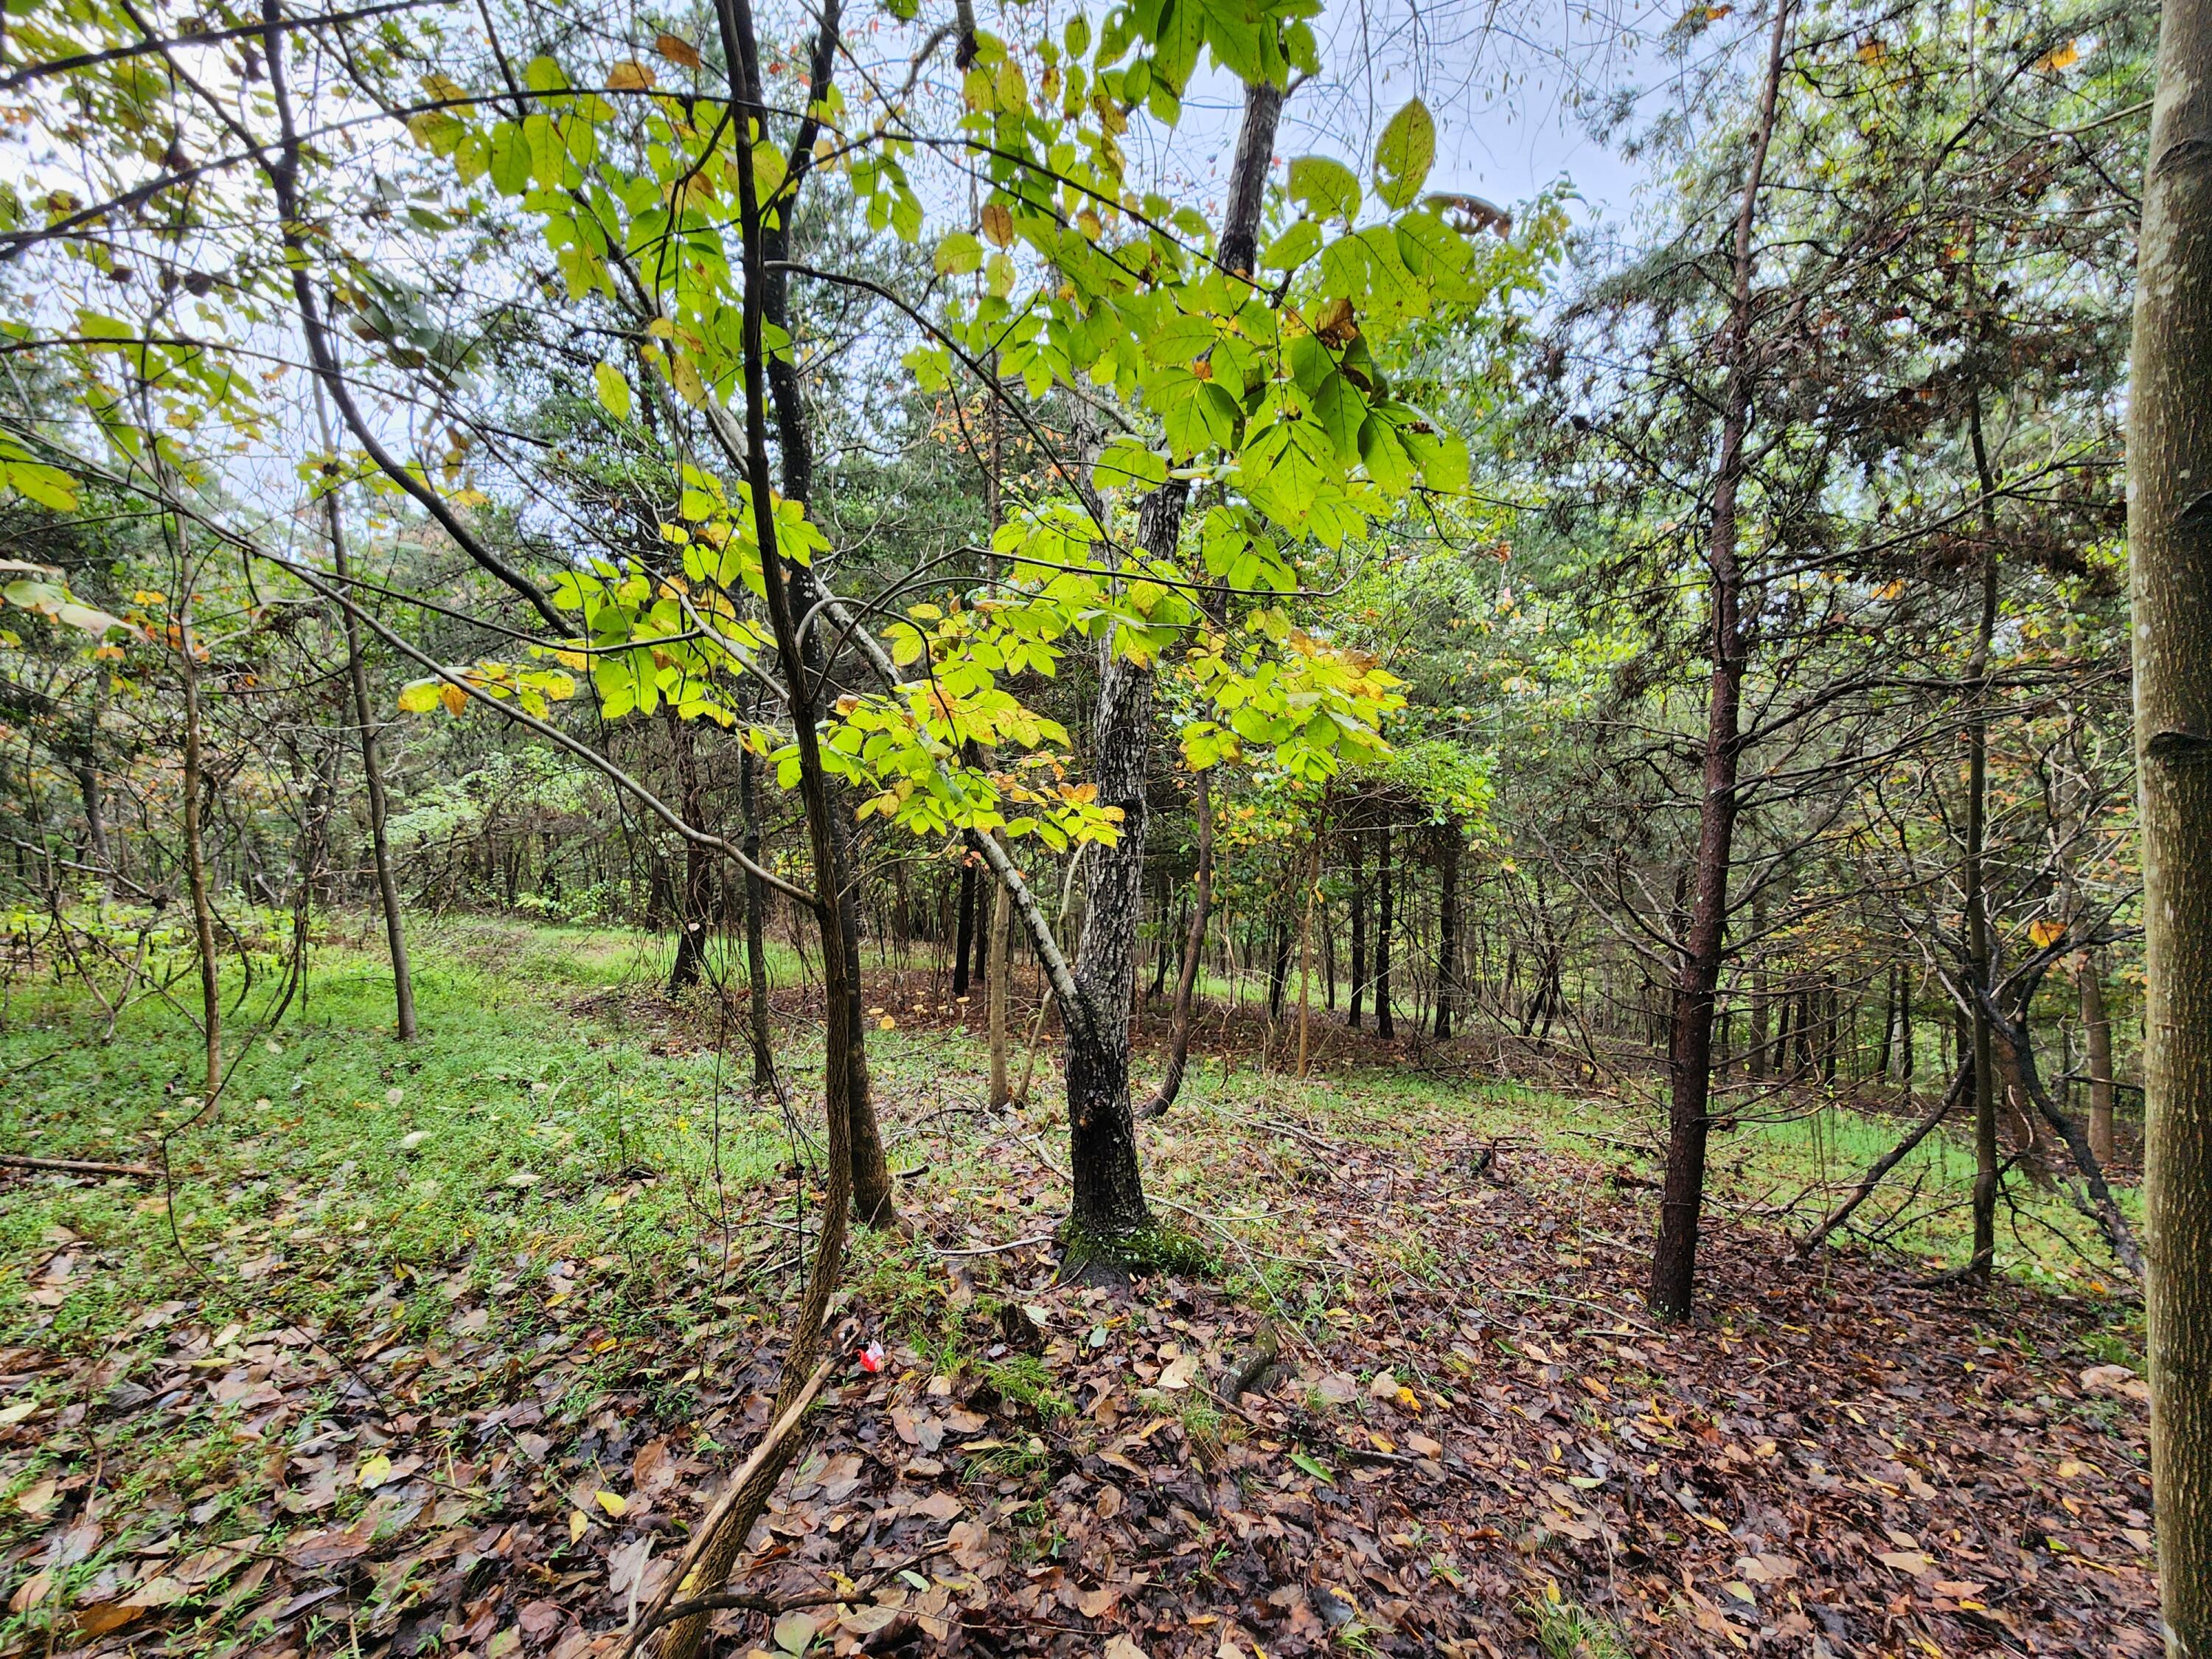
{"x": 32, "y": 1591}
{"x": 795, "y": 1630}
{"x": 1121, "y": 1647}
{"x": 38, "y": 1498}
{"x": 613, "y": 1503}
{"x": 1179, "y": 1373}
{"x": 1911, "y": 1561}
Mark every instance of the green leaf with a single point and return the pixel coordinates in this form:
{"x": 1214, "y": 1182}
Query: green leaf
{"x": 958, "y": 254}
{"x": 614, "y": 391}
{"x": 1126, "y": 463}
{"x": 510, "y": 159}
{"x": 1404, "y": 154}
{"x": 1293, "y": 247}
{"x": 1330, "y": 188}
{"x": 1314, "y": 1467}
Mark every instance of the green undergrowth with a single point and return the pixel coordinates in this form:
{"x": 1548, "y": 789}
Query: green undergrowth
{"x": 555, "y": 1114}
{"x": 525, "y": 1128}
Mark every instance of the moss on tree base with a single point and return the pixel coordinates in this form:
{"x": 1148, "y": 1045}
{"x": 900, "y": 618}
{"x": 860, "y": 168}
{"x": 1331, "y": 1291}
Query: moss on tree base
{"x": 1095, "y": 1254}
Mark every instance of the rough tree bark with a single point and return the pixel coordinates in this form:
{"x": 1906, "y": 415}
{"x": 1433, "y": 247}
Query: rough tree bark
{"x": 2170, "y": 539}
{"x": 1239, "y": 252}
{"x": 1690, "y": 1035}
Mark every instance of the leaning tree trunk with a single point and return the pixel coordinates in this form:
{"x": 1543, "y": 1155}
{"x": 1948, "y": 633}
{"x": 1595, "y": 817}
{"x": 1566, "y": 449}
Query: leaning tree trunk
{"x": 2170, "y": 541}
{"x": 1690, "y": 1035}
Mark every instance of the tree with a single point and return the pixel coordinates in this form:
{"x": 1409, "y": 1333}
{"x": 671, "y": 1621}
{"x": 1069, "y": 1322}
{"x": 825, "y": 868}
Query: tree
{"x": 2170, "y": 541}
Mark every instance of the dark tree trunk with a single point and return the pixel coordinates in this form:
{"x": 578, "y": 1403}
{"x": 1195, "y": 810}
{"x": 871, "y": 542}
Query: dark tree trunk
{"x": 691, "y": 913}
{"x": 964, "y": 939}
{"x": 757, "y": 1012}
{"x": 1193, "y": 955}
{"x": 1384, "y": 897}
{"x": 1358, "y": 930}
{"x": 1109, "y": 1197}
{"x": 1689, "y": 1058}
{"x": 1447, "y": 935}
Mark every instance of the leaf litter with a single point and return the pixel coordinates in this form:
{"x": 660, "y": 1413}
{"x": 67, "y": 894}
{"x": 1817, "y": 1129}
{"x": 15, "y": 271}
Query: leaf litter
{"x": 1454, "y": 1420}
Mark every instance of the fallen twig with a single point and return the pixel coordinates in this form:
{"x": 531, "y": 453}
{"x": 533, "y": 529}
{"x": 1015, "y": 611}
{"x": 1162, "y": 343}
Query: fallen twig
{"x": 78, "y": 1166}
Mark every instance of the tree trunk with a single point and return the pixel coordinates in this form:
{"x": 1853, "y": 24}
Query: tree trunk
{"x": 1447, "y": 935}
{"x": 1674, "y": 1256}
{"x": 1358, "y": 930}
{"x": 963, "y": 939}
{"x": 823, "y": 816}
{"x": 96, "y": 819}
{"x": 372, "y": 768}
{"x": 196, "y": 870}
{"x": 1108, "y": 1206}
{"x": 1194, "y": 954}
{"x": 1002, "y": 939}
{"x": 2097, "y": 1028}
{"x": 2170, "y": 539}
{"x": 691, "y": 911}
{"x": 1987, "y": 1084}
{"x": 1384, "y": 897}
{"x": 757, "y": 1009}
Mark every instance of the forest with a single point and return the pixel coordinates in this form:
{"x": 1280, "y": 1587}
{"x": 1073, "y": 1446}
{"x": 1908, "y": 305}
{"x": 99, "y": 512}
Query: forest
{"x": 984, "y": 828}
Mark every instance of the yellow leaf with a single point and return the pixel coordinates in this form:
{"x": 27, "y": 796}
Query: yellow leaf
{"x": 2046, "y": 933}
{"x": 1872, "y": 52}
{"x": 375, "y": 1470}
{"x": 577, "y": 1522}
{"x": 677, "y": 50}
{"x": 613, "y": 1503}
{"x": 630, "y": 75}
{"x": 998, "y": 225}
{"x": 453, "y": 697}
{"x": 2059, "y": 57}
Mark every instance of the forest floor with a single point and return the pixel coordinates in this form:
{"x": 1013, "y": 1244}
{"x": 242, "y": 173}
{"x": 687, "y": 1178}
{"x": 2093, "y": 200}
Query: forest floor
{"x": 437, "y": 1350}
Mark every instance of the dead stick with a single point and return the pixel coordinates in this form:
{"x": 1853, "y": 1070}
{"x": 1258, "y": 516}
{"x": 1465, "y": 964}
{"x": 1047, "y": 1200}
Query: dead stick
{"x": 1884, "y": 1165}
{"x": 77, "y": 1166}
